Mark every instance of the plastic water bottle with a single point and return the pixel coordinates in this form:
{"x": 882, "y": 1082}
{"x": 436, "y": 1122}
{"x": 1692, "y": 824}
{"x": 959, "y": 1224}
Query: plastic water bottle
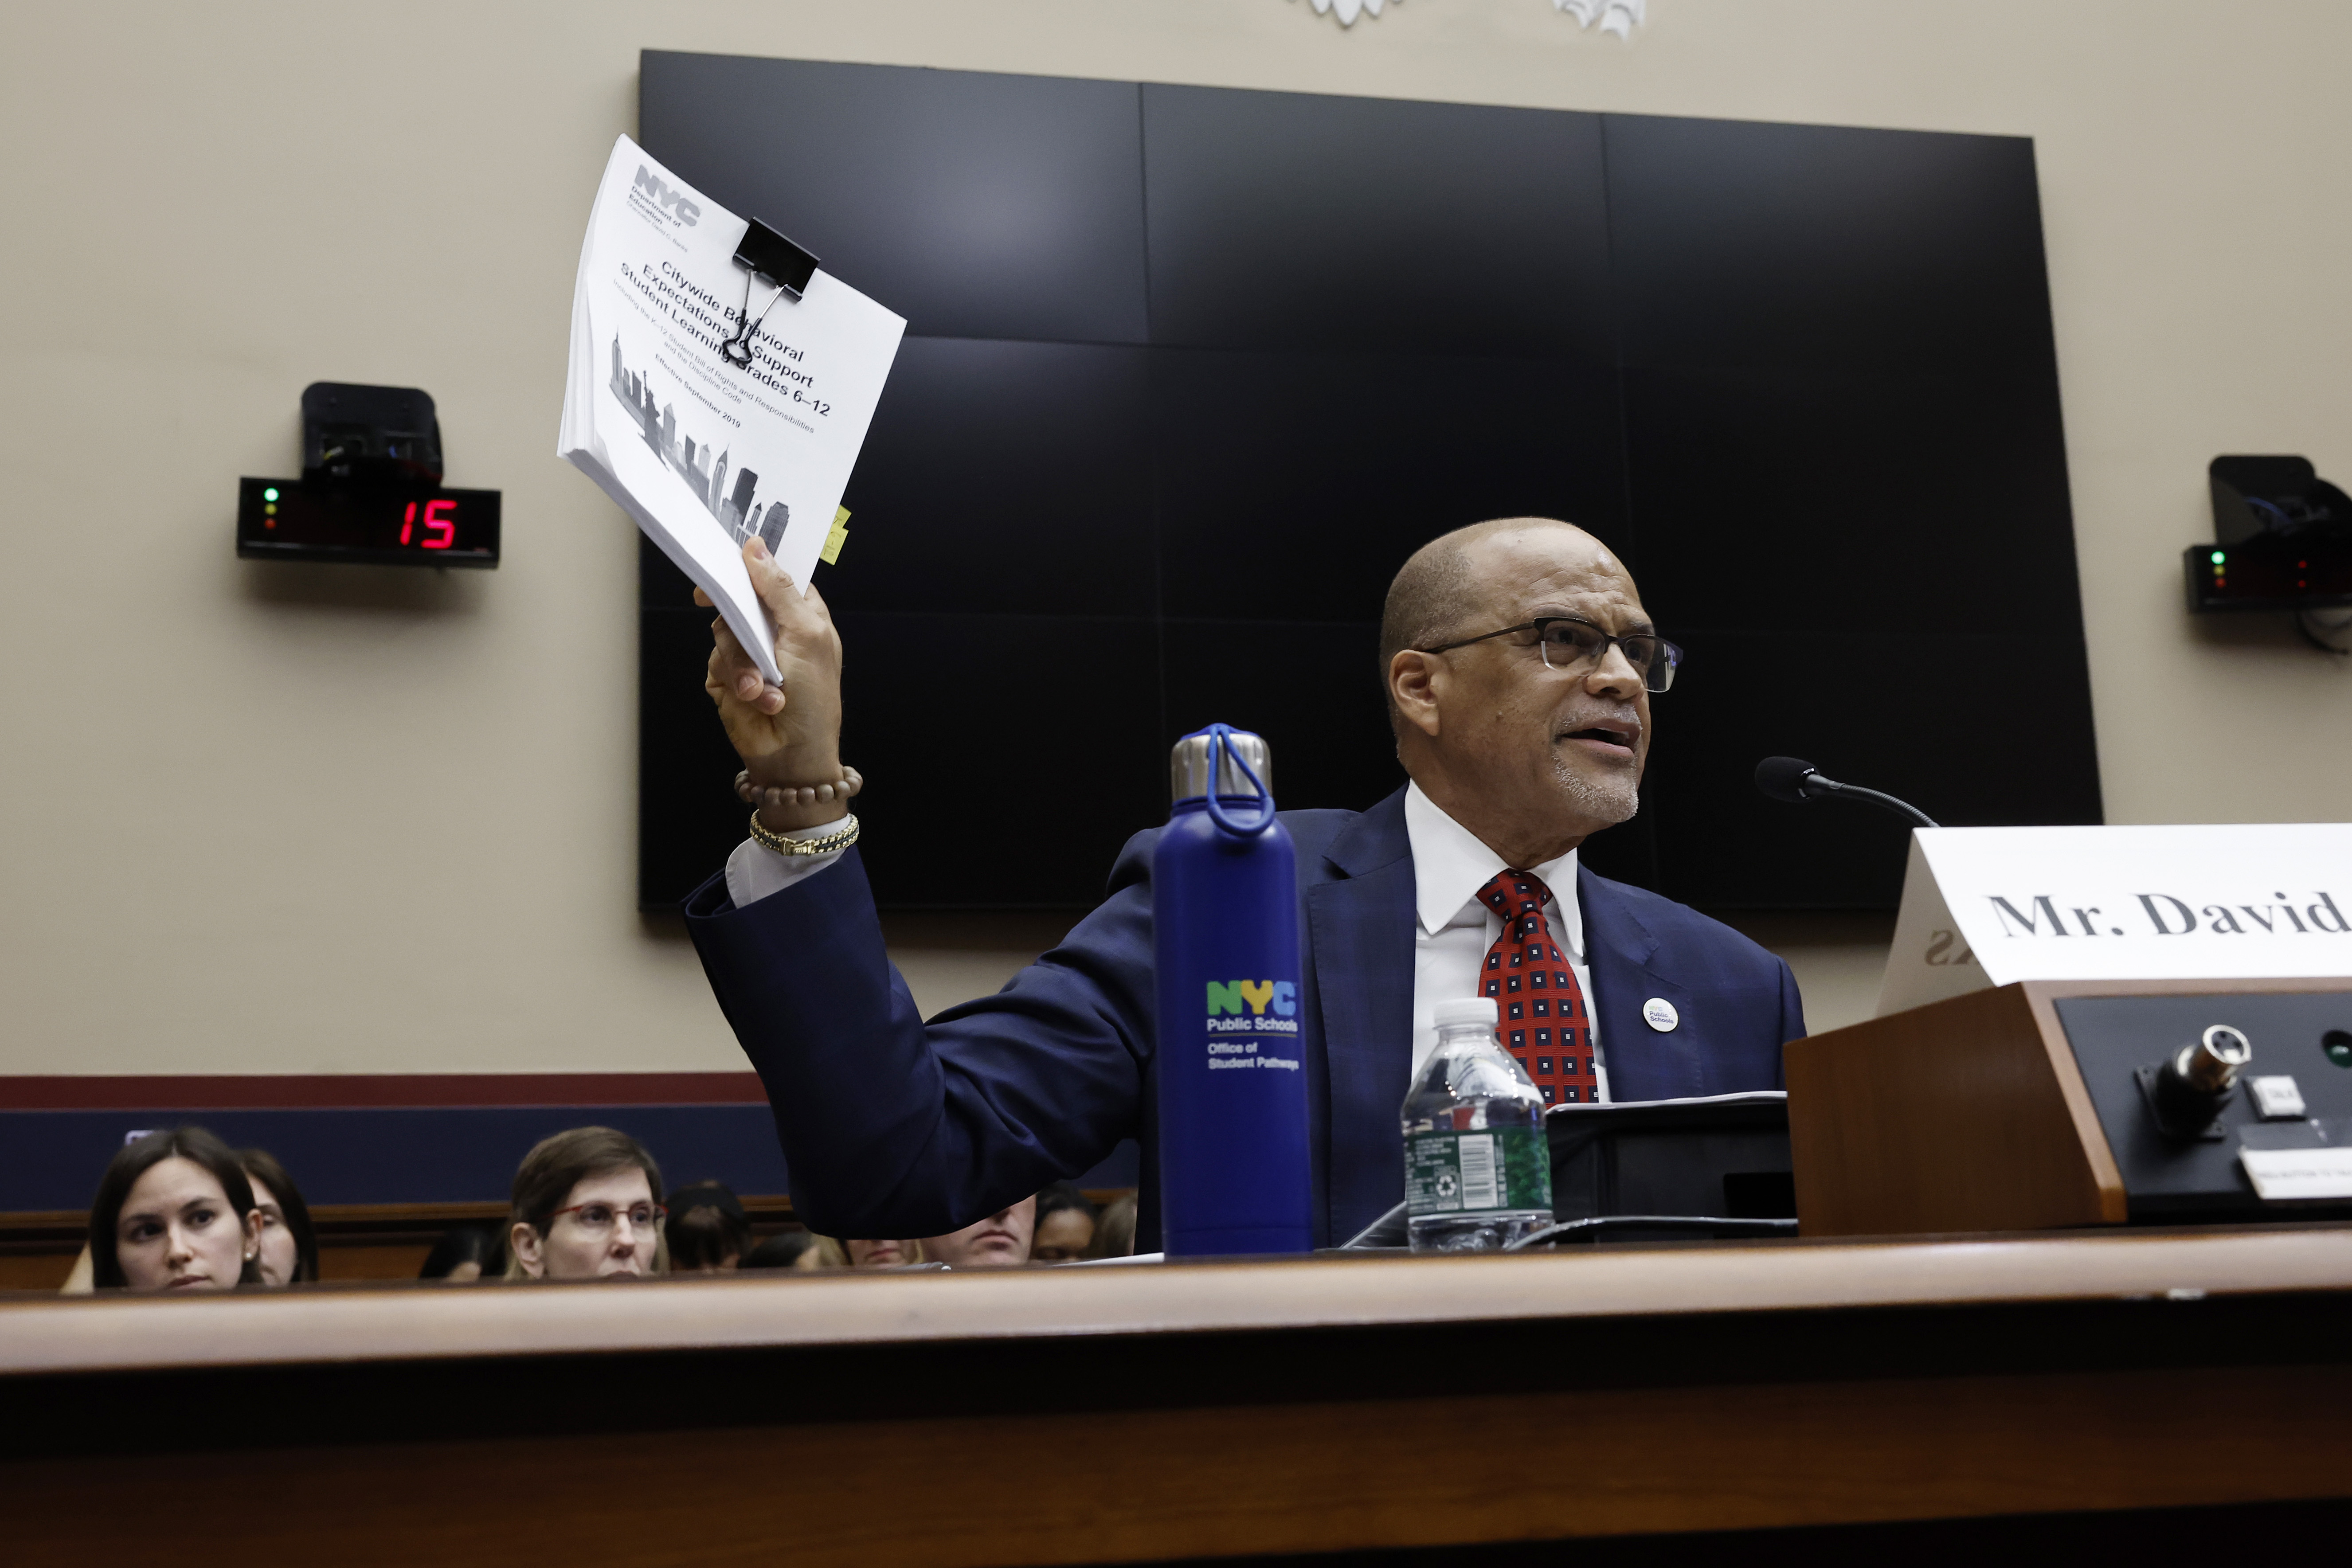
{"x": 1477, "y": 1169}
{"x": 1227, "y": 1074}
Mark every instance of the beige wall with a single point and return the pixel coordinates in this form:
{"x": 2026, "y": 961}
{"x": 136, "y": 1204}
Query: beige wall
{"x": 277, "y": 820}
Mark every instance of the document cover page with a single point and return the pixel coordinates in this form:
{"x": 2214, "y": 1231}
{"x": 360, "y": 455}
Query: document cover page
{"x": 703, "y": 451}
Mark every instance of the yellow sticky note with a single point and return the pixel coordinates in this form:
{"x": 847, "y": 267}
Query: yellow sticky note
{"x": 833, "y": 540}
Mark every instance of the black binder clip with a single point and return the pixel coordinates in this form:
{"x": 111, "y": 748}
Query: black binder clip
{"x": 772, "y": 259}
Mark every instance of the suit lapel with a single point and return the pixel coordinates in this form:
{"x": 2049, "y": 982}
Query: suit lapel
{"x": 1643, "y": 1064}
{"x": 1360, "y": 931}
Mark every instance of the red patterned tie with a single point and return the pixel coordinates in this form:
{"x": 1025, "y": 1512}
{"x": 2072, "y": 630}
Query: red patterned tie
{"x": 1545, "y": 1023}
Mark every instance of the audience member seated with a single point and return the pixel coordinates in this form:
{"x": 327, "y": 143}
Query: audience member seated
{"x": 289, "y": 1246}
{"x": 786, "y": 1250}
{"x": 1066, "y": 1225}
{"x": 174, "y": 1212}
{"x": 707, "y": 1230}
{"x": 1115, "y": 1230}
{"x": 1000, "y": 1241}
{"x": 465, "y": 1254}
{"x": 587, "y": 1205}
{"x": 832, "y": 1252}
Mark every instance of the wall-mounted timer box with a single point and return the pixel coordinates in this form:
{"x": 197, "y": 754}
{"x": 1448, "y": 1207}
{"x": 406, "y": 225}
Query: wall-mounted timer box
{"x": 380, "y": 523}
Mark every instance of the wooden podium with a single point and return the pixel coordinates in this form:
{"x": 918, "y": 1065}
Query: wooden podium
{"x": 1186, "y": 1411}
{"x": 1984, "y": 1113}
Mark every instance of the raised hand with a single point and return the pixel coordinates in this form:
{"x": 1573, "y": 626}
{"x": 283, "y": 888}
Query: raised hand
{"x": 790, "y": 734}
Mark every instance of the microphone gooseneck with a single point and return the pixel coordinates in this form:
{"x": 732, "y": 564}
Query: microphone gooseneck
{"x": 1796, "y": 781}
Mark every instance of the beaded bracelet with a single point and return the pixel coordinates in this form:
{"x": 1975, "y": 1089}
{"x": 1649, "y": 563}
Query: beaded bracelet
{"x": 780, "y": 796}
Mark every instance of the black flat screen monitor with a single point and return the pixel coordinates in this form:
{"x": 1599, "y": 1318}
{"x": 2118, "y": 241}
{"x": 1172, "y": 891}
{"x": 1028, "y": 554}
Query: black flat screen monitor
{"x": 1189, "y": 370}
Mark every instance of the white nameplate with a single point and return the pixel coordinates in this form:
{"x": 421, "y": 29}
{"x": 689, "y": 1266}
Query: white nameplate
{"x": 1987, "y": 906}
{"x": 2299, "y": 1172}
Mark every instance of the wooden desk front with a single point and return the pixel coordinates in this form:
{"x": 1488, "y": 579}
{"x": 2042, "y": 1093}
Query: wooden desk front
{"x": 1211, "y": 1409}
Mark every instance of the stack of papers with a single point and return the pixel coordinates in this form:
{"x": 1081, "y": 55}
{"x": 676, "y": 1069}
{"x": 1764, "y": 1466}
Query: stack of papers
{"x": 702, "y": 452}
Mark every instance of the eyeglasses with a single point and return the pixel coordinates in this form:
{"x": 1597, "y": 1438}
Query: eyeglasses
{"x": 597, "y": 1219}
{"x": 1570, "y": 644}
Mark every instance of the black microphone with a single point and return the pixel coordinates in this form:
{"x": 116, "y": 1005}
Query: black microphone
{"x": 1794, "y": 780}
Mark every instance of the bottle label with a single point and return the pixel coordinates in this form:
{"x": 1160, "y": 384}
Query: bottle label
{"x": 1461, "y": 1172}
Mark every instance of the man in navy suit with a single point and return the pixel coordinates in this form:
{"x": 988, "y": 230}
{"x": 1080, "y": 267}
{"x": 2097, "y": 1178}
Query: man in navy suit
{"x": 1520, "y": 667}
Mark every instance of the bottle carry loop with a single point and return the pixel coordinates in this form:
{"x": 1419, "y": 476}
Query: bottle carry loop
{"x": 1221, "y": 746}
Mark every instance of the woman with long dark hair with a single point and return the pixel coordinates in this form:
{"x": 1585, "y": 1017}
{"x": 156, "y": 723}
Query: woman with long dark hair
{"x": 174, "y": 1212}
{"x": 289, "y": 1246}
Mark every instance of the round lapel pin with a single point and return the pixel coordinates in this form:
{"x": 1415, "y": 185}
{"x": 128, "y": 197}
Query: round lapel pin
{"x": 1660, "y": 1014}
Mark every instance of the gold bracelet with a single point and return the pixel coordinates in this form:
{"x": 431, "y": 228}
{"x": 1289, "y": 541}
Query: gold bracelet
{"x": 767, "y": 837}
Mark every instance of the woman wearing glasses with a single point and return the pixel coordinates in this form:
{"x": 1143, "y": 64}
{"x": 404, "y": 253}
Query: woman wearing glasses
{"x": 587, "y": 1205}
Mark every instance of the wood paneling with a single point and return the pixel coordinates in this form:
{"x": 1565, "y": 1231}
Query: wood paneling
{"x": 1213, "y": 1409}
{"x": 254, "y": 1091}
{"x": 373, "y": 1260}
{"x": 721, "y": 1312}
{"x": 1220, "y": 1481}
{"x": 43, "y": 1270}
{"x": 1946, "y": 1118}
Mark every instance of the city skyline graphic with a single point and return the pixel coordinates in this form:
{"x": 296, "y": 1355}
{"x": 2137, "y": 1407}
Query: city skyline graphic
{"x": 705, "y": 473}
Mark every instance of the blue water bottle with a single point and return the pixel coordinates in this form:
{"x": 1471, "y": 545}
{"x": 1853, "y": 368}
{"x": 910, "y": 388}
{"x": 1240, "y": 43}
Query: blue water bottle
{"x": 1234, "y": 1174}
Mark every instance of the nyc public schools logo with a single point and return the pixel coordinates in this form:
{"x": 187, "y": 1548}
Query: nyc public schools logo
{"x": 667, "y": 201}
{"x": 1232, "y": 995}
{"x": 1252, "y": 1008}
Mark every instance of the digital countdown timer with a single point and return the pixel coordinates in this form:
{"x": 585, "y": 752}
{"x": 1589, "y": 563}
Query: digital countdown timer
{"x": 385, "y": 523}
{"x": 2270, "y": 574}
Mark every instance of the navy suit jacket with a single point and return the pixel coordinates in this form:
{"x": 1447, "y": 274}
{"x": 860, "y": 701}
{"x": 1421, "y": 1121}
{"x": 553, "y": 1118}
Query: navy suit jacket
{"x": 893, "y": 1127}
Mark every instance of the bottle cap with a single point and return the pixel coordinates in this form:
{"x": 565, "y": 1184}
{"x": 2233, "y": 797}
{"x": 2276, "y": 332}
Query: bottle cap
{"x": 1466, "y": 1010}
{"x": 1189, "y": 766}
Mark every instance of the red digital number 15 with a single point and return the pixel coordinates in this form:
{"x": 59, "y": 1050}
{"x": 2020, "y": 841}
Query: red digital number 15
{"x": 433, "y": 519}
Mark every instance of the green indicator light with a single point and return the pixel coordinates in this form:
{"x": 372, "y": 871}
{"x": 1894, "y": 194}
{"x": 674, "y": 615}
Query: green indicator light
{"x": 272, "y": 495}
{"x": 2218, "y": 556}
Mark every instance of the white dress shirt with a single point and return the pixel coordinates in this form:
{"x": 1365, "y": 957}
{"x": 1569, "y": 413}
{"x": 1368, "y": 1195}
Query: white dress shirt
{"x": 1451, "y": 928}
{"x": 754, "y": 870}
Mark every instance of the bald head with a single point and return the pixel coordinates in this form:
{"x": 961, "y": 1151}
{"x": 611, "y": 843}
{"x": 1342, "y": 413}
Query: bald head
{"x": 1530, "y": 750}
{"x": 1446, "y": 586}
